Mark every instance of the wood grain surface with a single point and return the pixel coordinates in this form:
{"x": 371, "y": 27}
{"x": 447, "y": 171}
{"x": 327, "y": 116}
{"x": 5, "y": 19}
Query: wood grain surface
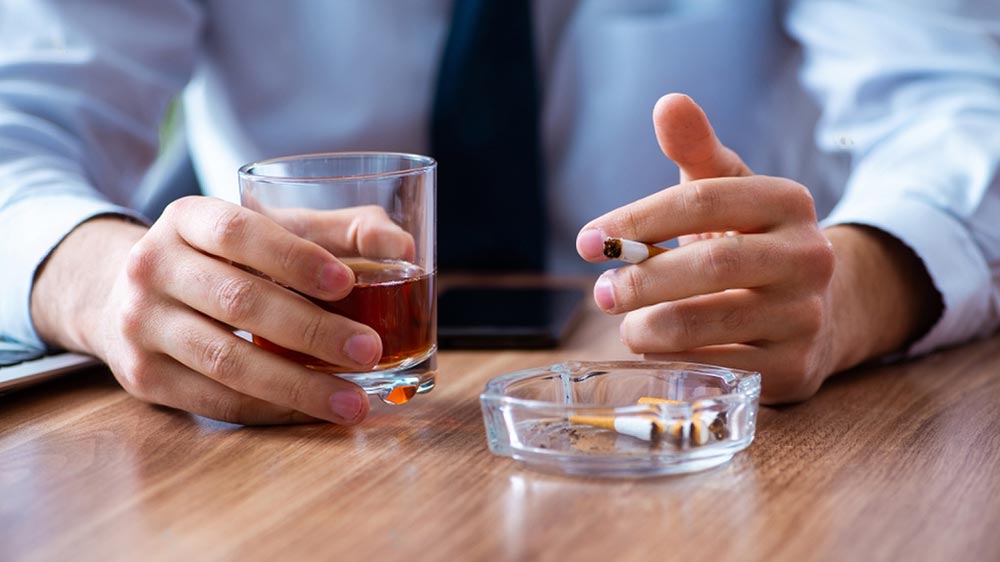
{"x": 898, "y": 462}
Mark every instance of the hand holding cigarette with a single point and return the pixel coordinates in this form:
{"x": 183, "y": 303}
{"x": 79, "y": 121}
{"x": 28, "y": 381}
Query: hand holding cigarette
{"x": 755, "y": 297}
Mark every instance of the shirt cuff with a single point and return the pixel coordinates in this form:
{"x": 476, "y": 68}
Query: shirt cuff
{"x": 952, "y": 259}
{"x": 36, "y": 226}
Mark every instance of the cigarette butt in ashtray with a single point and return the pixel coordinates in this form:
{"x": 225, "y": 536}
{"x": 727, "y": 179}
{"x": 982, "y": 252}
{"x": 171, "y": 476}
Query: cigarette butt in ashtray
{"x": 647, "y": 428}
{"x": 630, "y": 251}
{"x": 699, "y": 430}
{"x": 651, "y": 400}
{"x": 695, "y": 431}
{"x": 678, "y": 429}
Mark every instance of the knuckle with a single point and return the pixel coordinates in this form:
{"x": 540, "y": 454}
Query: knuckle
{"x": 722, "y": 260}
{"x": 824, "y": 260}
{"x": 229, "y": 227}
{"x": 360, "y": 227}
{"x": 734, "y": 319}
{"x": 291, "y": 256}
{"x": 814, "y": 314}
{"x": 818, "y": 261}
{"x": 137, "y": 376}
{"x": 662, "y": 328}
{"x": 799, "y": 361}
{"x": 141, "y": 262}
{"x": 314, "y": 333}
{"x": 792, "y": 384}
{"x": 800, "y": 200}
{"x": 177, "y": 207}
{"x": 678, "y": 324}
{"x": 770, "y": 255}
{"x": 237, "y": 298}
{"x": 681, "y": 327}
{"x": 631, "y": 220}
{"x": 374, "y": 212}
{"x": 220, "y": 359}
{"x": 296, "y": 392}
{"x": 132, "y": 319}
{"x": 368, "y": 224}
{"x": 228, "y": 409}
{"x": 701, "y": 200}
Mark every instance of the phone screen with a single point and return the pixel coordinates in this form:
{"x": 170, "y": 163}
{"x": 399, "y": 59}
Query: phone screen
{"x": 505, "y": 318}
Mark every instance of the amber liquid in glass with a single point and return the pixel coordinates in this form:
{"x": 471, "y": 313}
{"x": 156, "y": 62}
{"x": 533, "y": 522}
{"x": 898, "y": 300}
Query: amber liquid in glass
{"x": 396, "y": 299}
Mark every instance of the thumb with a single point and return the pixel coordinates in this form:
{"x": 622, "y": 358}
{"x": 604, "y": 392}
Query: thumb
{"x": 687, "y": 138}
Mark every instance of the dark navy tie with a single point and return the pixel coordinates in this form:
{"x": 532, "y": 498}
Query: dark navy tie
{"x": 484, "y": 134}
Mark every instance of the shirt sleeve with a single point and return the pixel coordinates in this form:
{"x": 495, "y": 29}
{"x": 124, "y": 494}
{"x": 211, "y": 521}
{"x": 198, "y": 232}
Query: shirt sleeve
{"x": 83, "y": 86}
{"x": 912, "y": 92}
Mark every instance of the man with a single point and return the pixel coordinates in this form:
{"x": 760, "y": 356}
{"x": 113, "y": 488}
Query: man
{"x": 880, "y": 117}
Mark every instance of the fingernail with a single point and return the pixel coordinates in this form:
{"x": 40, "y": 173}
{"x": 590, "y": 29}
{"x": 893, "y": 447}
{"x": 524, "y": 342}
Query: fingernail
{"x": 346, "y": 405}
{"x": 604, "y": 294}
{"x": 335, "y": 278}
{"x": 590, "y": 244}
{"x": 363, "y": 349}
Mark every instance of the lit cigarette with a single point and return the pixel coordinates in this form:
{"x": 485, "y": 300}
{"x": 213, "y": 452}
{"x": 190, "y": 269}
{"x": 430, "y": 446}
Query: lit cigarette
{"x": 646, "y": 428}
{"x": 629, "y": 250}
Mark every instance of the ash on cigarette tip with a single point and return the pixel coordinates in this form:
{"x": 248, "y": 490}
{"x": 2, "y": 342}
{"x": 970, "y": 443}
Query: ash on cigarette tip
{"x": 613, "y": 248}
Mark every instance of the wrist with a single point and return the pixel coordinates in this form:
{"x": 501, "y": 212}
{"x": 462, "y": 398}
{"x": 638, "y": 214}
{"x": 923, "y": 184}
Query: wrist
{"x": 882, "y": 297}
{"x": 73, "y": 284}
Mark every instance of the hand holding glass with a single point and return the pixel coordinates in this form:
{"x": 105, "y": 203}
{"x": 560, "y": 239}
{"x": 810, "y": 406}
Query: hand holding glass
{"x": 379, "y": 208}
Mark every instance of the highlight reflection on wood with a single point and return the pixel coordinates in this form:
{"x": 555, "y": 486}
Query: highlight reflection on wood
{"x": 890, "y": 463}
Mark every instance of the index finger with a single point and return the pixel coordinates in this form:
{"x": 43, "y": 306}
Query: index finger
{"x": 745, "y": 204}
{"x": 234, "y": 233}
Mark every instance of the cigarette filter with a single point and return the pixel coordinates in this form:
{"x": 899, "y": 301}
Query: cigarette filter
{"x": 646, "y": 428}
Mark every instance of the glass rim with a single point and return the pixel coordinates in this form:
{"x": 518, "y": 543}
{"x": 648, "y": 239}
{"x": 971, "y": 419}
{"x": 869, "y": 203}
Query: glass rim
{"x": 425, "y": 163}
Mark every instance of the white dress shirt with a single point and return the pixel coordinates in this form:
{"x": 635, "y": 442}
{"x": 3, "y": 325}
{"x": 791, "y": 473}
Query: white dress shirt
{"x": 888, "y": 111}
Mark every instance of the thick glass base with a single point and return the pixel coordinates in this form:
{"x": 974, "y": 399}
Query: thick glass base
{"x": 399, "y": 385}
{"x": 638, "y": 468}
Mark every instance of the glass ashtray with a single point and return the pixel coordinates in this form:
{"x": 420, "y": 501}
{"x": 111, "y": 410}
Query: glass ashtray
{"x": 621, "y": 418}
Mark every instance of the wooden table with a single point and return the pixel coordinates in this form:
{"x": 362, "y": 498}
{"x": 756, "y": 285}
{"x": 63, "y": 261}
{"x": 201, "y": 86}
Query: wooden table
{"x": 891, "y": 463}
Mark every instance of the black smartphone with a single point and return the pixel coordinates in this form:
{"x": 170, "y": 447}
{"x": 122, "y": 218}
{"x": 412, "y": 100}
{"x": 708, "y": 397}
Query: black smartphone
{"x": 506, "y": 317}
